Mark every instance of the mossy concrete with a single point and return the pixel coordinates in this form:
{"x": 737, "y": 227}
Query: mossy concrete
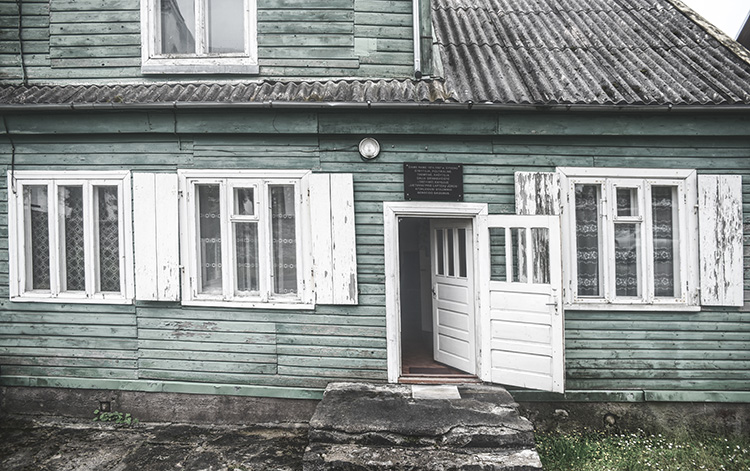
{"x": 86, "y": 446}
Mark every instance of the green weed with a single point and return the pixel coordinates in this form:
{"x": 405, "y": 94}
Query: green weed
{"x": 599, "y": 451}
{"x": 115, "y": 417}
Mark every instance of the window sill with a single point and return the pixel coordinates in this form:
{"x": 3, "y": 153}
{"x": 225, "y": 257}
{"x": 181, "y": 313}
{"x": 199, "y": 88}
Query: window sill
{"x": 631, "y": 307}
{"x": 250, "y": 304}
{"x": 70, "y": 300}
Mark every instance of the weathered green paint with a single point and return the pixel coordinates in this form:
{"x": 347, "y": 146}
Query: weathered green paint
{"x": 152, "y": 346}
{"x": 99, "y": 41}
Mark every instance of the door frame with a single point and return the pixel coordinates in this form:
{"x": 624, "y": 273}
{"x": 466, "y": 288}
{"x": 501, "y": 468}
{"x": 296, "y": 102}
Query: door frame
{"x": 392, "y": 211}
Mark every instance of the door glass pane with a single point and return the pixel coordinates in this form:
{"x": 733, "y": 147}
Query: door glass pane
{"x": 587, "y": 239}
{"x": 666, "y": 267}
{"x": 246, "y": 247}
{"x": 627, "y": 202}
{"x": 178, "y": 26}
{"x": 108, "y": 238}
{"x": 283, "y": 239}
{"x": 72, "y": 258}
{"x": 36, "y": 236}
{"x": 451, "y": 251}
{"x": 497, "y": 254}
{"x": 540, "y": 254}
{"x": 462, "y": 253}
{"x": 518, "y": 244}
{"x": 226, "y": 26}
{"x": 439, "y": 242}
{"x": 244, "y": 201}
{"x": 209, "y": 238}
{"x": 627, "y": 258}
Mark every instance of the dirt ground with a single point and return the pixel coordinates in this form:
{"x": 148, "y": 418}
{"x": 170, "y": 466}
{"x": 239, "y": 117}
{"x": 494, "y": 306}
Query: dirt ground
{"x": 54, "y": 444}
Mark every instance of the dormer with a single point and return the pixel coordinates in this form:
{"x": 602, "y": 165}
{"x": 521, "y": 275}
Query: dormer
{"x": 199, "y": 37}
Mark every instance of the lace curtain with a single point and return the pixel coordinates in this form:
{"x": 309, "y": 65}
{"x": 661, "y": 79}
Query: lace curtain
{"x": 283, "y": 239}
{"x": 587, "y": 239}
{"x": 109, "y": 239}
{"x": 662, "y": 207}
{"x": 627, "y": 242}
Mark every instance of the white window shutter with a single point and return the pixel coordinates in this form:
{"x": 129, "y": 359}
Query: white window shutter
{"x": 333, "y": 238}
{"x": 156, "y": 237}
{"x": 720, "y": 223}
{"x": 537, "y": 193}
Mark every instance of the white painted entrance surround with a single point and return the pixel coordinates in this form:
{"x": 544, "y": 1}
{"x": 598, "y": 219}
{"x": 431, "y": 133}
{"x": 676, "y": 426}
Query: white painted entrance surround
{"x": 485, "y": 344}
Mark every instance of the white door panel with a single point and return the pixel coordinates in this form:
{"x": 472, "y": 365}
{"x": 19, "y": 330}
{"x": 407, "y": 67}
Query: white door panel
{"x": 523, "y": 324}
{"x": 454, "y": 336}
{"x": 454, "y": 320}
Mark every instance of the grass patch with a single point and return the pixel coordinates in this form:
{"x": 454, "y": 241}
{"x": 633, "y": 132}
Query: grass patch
{"x": 599, "y": 451}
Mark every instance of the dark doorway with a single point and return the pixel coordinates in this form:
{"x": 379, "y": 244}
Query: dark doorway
{"x": 417, "y": 361}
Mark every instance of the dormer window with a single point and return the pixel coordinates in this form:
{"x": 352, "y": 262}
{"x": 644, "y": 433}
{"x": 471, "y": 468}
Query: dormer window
{"x": 199, "y": 36}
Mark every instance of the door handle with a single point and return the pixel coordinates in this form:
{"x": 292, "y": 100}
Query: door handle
{"x": 555, "y": 303}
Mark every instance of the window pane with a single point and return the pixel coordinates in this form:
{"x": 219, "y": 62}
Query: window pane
{"x": 451, "y": 251}
{"x": 244, "y": 202}
{"x": 518, "y": 246}
{"x": 72, "y": 258}
{"x": 462, "y": 253}
{"x": 284, "y": 239}
{"x": 36, "y": 236}
{"x": 209, "y": 234}
{"x": 627, "y": 257}
{"x": 540, "y": 254}
{"x": 497, "y": 254}
{"x": 226, "y": 26}
{"x": 666, "y": 267}
{"x": 440, "y": 251}
{"x": 108, "y": 238}
{"x": 587, "y": 239}
{"x": 177, "y": 26}
{"x": 246, "y": 247}
{"x": 627, "y": 202}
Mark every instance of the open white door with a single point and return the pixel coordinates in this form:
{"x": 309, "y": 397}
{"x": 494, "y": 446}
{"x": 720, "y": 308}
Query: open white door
{"x": 453, "y": 320}
{"x": 522, "y": 325}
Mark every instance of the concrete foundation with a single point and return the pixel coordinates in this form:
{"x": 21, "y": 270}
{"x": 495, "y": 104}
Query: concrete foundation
{"x": 155, "y": 407}
{"x": 651, "y": 417}
{"x": 656, "y": 417}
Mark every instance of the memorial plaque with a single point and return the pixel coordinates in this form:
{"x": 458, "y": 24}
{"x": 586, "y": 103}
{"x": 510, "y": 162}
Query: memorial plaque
{"x": 433, "y": 182}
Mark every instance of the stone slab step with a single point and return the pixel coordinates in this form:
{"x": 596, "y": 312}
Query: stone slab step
{"x": 464, "y": 436}
{"x": 419, "y": 416}
{"x": 370, "y": 458}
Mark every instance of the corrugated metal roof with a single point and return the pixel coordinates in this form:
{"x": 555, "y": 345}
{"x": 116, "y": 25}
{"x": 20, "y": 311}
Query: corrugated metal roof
{"x": 512, "y": 52}
{"x": 600, "y": 52}
{"x": 344, "y": 91}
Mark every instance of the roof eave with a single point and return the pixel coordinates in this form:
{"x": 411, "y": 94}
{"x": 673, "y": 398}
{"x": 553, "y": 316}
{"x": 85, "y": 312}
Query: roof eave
{"x": 452, "y": 106}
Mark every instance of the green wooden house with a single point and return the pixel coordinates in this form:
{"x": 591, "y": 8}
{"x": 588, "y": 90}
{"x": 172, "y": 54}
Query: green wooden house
{"x": 262, "y": 197}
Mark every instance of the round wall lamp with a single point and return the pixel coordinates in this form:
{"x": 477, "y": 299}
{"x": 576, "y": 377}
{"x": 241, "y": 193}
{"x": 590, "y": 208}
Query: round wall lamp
{"x": 369, "y": 148}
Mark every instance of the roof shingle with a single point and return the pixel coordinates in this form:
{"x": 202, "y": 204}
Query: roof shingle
{"x": 600, "y": 52}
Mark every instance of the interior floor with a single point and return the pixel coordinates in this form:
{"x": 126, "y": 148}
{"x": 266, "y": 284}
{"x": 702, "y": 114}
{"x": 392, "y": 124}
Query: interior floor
{"x": 419, "y": 366}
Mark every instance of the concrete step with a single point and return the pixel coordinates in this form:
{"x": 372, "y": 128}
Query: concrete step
{"x": 372, "y": 458}
{"x": 414, "y": 427}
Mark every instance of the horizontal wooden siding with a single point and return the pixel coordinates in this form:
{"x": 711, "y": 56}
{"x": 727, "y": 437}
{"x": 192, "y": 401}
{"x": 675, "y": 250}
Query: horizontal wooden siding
{"x": 98, "y": 41}
{"x": 284, "y": 352}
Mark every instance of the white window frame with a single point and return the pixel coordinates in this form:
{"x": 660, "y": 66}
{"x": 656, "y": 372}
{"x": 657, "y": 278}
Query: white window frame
{"x": 16, "y": 222}
{"x": 201, "y": 62}
{"x": 686, "y": 248}
{"x": 188, "y": 179}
